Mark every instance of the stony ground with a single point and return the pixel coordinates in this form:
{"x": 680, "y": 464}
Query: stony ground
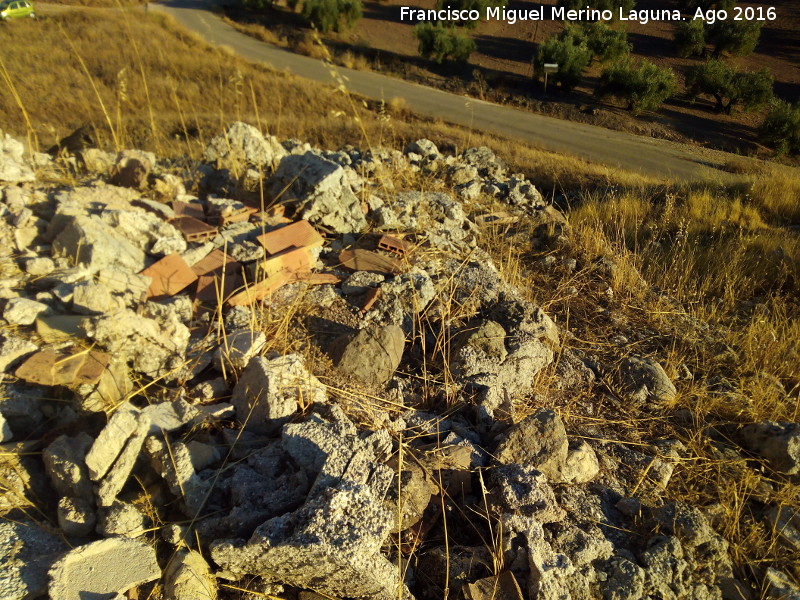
{"x": 309, "y": 376}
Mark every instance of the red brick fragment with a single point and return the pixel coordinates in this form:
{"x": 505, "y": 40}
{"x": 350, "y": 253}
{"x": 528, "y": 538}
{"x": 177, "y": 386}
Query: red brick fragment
{"x": 169, "y": 276}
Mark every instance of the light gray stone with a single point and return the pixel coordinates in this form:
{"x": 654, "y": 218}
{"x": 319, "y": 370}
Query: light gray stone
{"x": 5, "y": 429}
{"x": 155, "y": 347}
{"x": 117, "y": 476}
{"x": 237, "y": 349}
{"x": 65, "y": 463}
{"x": 101, "y": 570}
{"x": 525, "y": 490}
{"x": 13, "y": 168}
{"x": 243, "y": 146}
{"x": 372, "y": 355}
{"x": 111, "y": 440}
{"x": 581, "y": 465}
{"x": 146, "y": 231}
{"x": 174, "y": 463}
{"x": 644, "y": 380}
{"x": 90, "y": 298}
{"x": 331, "y": 544}
{"x": 320, "y": 192}
{"x": 22, "y": 311}
{"x": 37, "y": 266}
{"x": 780, "y": 587}
{"x": 89, "y": 241}
{"x": 76, "y": 516}
{"x": 540, "y": 441}
{"x": 121, "y": 519}
{"x": 778, "y": 443}
{"x": 188, "y": 577}
{"x": 26, "y": 553}
{"x": 269, "y": 392}
{"x": 12, "y": 349}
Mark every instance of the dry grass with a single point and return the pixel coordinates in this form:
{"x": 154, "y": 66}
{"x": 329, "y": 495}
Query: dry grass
{"x": 710, "y": 274}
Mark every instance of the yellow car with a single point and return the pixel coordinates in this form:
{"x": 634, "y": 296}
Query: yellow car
{"x": 15, "y": 9}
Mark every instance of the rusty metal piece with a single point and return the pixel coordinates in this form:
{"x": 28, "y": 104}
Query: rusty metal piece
{"x": 297, "y": 235}
{"x": 370, "y": 298}
{"x": 169, "y": 276}
{"x": 365, "y": 260}
{"x": 394, "y": 245}
{"x": 194, "y": 230}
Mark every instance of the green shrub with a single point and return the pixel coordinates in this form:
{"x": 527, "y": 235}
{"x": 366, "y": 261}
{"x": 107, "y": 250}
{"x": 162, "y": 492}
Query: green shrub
{"x": 730, "y": 86}
{"x": 606, "y": 44}
{"x": 441, "y": 43}
{"x": 644, "y": 86}
{"x": 737, "y": 38}
{"x": 690, "y": 38}
{"x": 781, "y": 127}
{"x": 570, "y": 51}
{"x": 329, "y": 15}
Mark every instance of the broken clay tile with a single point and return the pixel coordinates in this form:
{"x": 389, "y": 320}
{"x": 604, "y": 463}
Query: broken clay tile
{"x": 295, "y": 260}
{"x": 365, "y": 260}
{"x": 370, "y": 298}
{"x": 92, "y": 369}
{"x": 237, "y": 217}
{"x": 215, "y": 263}
{"x": 394, "y": 245}
{"x": 258, "y": 291}
{"x": 318, "y": 278}
{"x": 209, "y": 290}
{"x": 500, "y": 587}
{"x": 188, "y": 209}
{"x": 50, "y": 368}
{"x": 297, "y": 235}
{"x": 169, "y": 276}
{"x": 194, "y": 230}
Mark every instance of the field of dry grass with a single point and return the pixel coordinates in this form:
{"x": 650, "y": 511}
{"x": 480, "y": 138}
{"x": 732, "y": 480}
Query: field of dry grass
{"x": 708, "y": 274}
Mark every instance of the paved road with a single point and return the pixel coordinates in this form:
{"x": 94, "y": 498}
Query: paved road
{"x": 614, "y": 148}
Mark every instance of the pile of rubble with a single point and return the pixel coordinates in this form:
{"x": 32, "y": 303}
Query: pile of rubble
{"x": 154, "y": 433}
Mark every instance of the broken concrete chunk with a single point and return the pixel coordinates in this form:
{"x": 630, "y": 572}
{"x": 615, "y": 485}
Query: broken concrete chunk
{"x": 26, "y": 553}
{"x": 237, "y": 349}
{"x": 581, "y": 465}
{"x": 117, "y": 476}
{"x": 524, "y": 490}
{"x": 372, "y": 355}
{"x": 22, "y": 311}
{"x": 780, "y": 587}
{"x": 13, "y": 168}
{"x": 188, "y": 577}
{"x": 319, "y": 192}
{"x": 174, "y": 462}
{"x": 59, "y": 328}
{"x": 243, "y": 146}
{"x": 103, "y": 569}
{"x": 269, "y": 392}
{"x": 76, "y": 516}
{"x": 12, "y": 349}
{"x": 111, "y": 440}
{"x": 121, "y": 519}
{"x": 64, "y": 460}
{"x": 90, "y": 298}
{"x": 89, "y": 241}
{"x": 540, "y": 441}
{"x": 168, "y": 416}
{"x": 331, "y": 544}
{"x": 146, "y": 231}
{"x": 778, "y": 443}
{"x": 153, "y": 347}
